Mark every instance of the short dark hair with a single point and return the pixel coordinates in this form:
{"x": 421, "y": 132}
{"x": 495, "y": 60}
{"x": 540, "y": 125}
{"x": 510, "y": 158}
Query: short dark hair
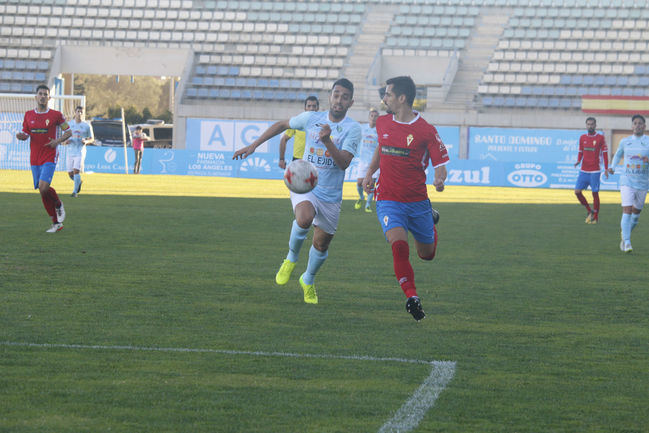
{"x": 138, "y": 127}
{"x": 403, "y": 85}
{"x": 638, "y": 116}
{"x": 311, "y": 98}
{"x": 79, "y": 107}
{"x": 42, "y": 86}
{"x": 591, "y": 118}
{"x": 344, "y": 82}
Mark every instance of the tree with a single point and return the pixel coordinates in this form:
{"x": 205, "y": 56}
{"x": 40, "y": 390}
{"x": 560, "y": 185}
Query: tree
{"x": 105, "y": 96}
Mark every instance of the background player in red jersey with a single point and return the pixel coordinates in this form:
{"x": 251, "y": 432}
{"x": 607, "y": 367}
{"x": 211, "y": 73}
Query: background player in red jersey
{"x": 592, "y": 147}
{"x": 406, "y": 143}
{"x": 39, "y": 125}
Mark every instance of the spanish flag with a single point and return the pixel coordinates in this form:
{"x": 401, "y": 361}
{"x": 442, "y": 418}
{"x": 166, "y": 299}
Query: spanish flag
{"x": 622, "y": 105}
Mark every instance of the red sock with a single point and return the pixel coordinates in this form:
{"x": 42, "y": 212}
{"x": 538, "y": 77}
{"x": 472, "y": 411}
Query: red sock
{"x": 49, "y": 206}
{"x": 402, "y": 268}
{"x": 596, "y": 201}
{"x": 583, "y": 200}
{"x": 54, "y": 197}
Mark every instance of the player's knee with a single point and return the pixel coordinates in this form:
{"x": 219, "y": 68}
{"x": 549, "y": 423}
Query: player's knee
{"x": 320, "y": 246}
{"x": 303, "y": 222}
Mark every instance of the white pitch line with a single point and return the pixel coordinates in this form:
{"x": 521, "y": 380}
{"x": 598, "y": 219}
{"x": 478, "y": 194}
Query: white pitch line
{"x": 412, "y": 412}
{"x": 218, "y": 351}
{"x": 406, "y": 418}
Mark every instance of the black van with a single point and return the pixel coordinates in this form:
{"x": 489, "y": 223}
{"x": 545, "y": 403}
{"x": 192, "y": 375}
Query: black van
{"x": 108, "y": 132}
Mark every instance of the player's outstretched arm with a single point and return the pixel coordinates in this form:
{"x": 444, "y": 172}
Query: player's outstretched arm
{"x": 273, "y": 130}
{"x": 282, "y": 151}
{"x": 440, "y": 177}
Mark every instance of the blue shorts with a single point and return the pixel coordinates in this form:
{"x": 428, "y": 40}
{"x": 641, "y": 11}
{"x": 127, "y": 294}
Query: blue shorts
{"x": 586, "y": 179}
{"x": 416, "y": 217}
{"x": 43, "y": 172}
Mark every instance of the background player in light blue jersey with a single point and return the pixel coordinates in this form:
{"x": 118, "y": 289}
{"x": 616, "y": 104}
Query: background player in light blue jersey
{"x": 634, "y": 178}
{"x": 81, "y": 135}
{"x": 332, "y": 140}
{"x": 368, "y": 145}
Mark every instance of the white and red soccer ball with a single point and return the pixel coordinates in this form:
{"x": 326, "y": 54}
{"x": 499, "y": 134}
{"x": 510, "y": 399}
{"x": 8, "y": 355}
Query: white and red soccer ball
{"x": 300, "y": 176}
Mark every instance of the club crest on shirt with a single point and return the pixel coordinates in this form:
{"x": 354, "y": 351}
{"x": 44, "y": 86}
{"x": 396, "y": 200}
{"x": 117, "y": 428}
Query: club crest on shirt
{"x": 409, "y": 139}
{"x": 47, "y": 122}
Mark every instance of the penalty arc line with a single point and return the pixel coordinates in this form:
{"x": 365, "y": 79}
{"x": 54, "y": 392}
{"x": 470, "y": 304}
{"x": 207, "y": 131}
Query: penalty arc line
{"x": 405, "y": 419}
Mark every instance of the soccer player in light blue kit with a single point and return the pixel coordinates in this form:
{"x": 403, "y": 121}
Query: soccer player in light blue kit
{"x": 368, "y": 145}
{"x": 634, "y": 179}
{"x": 81, "y": 135}
{"x": 332, "y": 141}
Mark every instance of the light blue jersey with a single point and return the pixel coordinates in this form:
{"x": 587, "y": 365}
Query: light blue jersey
{"x": 635, "y": 151}
{"x": 346, "y": 135}
{"x": 80, "y": 131}
{"x": 368, "y": 144}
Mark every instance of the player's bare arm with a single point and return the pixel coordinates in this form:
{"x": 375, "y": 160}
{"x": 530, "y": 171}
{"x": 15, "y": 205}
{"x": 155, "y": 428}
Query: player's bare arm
{"x": 273, "y": 130}
{"x": 440, "y": 177}
{"x": 282, "y": 151}
{"x": 368, "y": 180}
{"x": 342, "y": 158}
{"x": 67, "y": 134}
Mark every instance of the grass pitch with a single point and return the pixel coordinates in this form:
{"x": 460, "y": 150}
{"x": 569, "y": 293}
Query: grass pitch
{"x": 545, "y": 318}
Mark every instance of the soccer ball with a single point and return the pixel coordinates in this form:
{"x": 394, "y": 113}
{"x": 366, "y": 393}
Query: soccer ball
{"x": 301, "y": 176}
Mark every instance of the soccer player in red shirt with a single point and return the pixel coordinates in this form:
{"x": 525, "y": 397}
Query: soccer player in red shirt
{"x": 39, "y": 125}
{"x": 592, "y": 147}
{"x": 406, "y": 143}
